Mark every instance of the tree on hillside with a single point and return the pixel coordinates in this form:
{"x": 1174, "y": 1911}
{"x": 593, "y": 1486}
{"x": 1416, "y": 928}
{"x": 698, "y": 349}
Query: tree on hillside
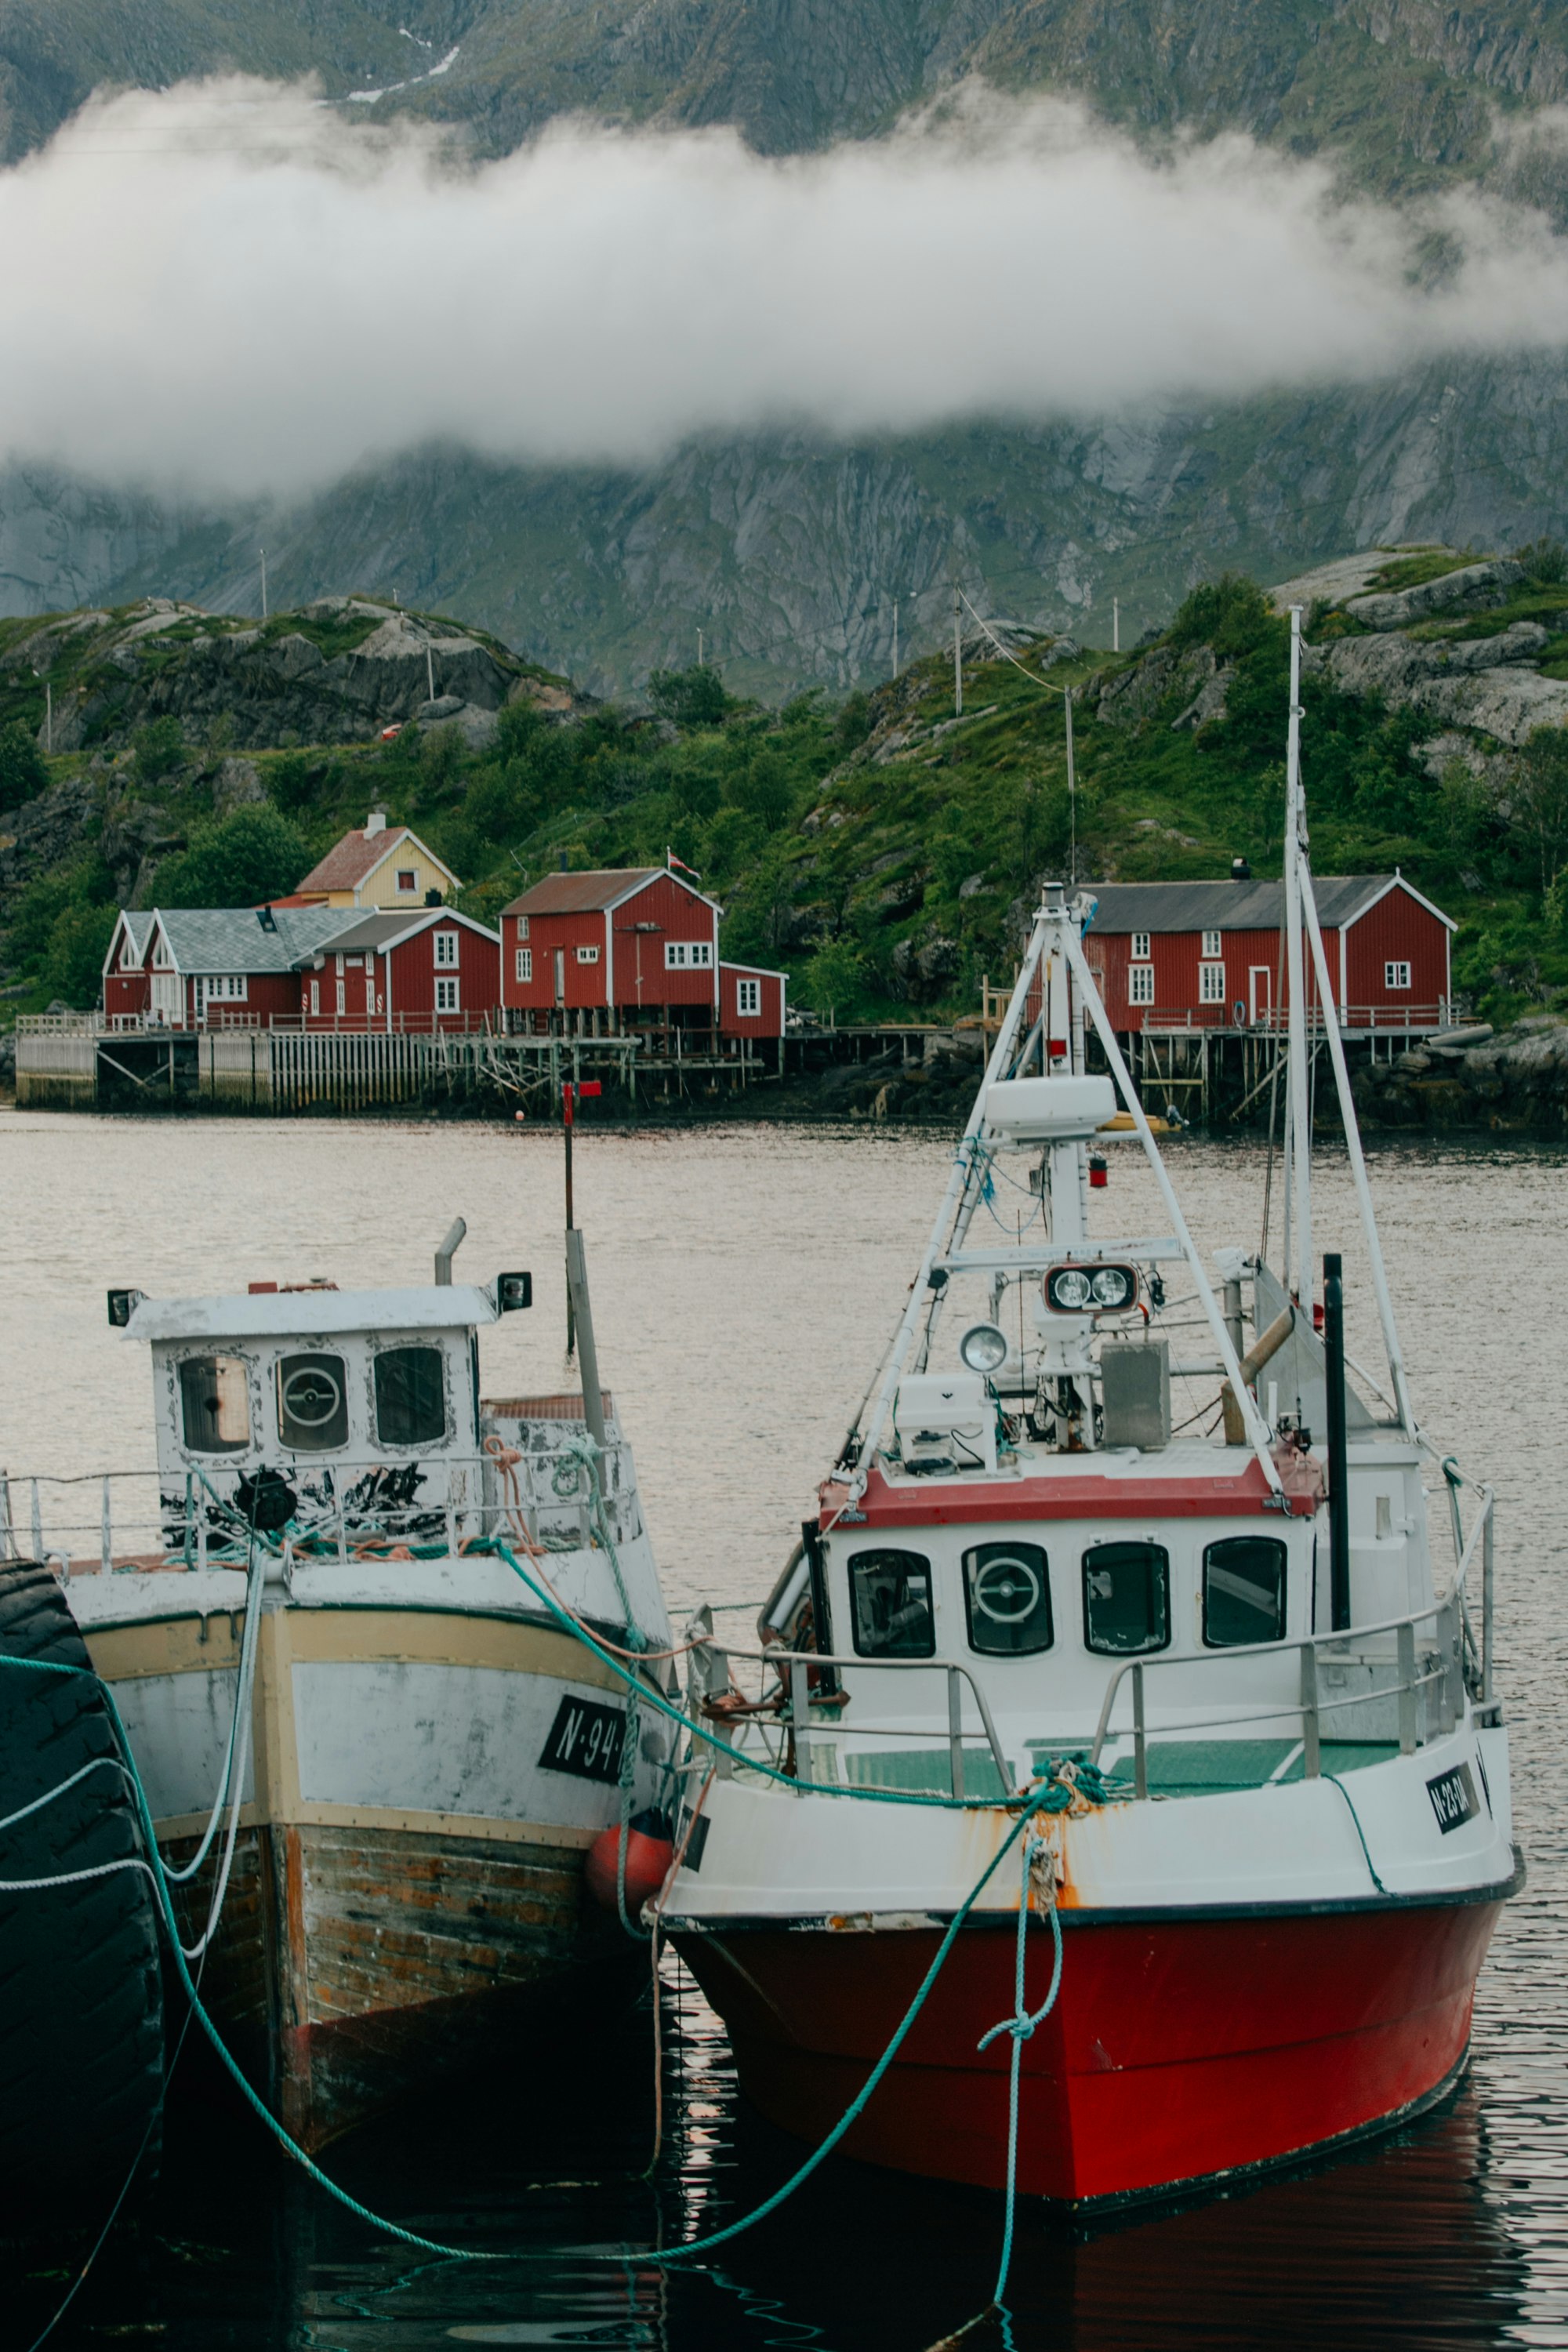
{"x": 23, "y": 775}
{"x": 160, "y": 748}
{"x": 73, "y": 968}
{"x": 1536, "y": 805}
{"x": 689, "y": 698}
{"x": 252, "y": 854}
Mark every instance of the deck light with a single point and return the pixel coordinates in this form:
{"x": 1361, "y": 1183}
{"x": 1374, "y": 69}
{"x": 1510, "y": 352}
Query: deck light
{"x": 123, "y": 1304}
{"x": 1085, "y": 1290}
{"x": 983, "y": 1348}
{"x": 513, "y": 1291}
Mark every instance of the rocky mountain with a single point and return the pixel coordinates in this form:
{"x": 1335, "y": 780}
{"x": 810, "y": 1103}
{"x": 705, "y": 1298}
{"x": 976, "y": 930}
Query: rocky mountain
{"x": 790, "y": 555}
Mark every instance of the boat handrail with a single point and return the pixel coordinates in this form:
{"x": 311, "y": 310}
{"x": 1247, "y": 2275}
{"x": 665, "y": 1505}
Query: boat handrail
{"x": 1311, "y": 1705}
{"x": 800, "y": 1663}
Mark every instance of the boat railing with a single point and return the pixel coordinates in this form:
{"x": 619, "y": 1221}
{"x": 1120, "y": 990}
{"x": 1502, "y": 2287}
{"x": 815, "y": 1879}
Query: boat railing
{"x": 1413, "y": 1673}
{"x": 133, "y": 1518}
{"x": 797, "y": 1709}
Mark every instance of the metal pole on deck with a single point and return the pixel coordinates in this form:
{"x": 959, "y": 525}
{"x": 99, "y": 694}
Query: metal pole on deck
{"x": 587, "y": 1352}
{"x": 1300, "y": 1192}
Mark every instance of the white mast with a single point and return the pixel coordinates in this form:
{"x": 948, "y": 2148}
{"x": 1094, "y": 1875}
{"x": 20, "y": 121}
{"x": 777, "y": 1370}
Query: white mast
{"x": 1300, "y": 1176}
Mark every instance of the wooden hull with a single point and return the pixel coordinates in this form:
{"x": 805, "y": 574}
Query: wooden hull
{"x": 1179, "y": 2050}
{"x": 352, "y": 1966}
{"x": 408, "y": 1878}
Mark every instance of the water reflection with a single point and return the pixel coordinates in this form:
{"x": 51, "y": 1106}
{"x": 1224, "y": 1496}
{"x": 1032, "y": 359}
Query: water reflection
{"x": 745, "y": 1280}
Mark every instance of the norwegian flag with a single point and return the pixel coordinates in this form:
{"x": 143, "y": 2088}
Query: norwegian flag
{"x": 671, "y": 859}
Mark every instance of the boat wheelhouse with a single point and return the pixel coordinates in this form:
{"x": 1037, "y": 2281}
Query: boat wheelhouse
{"x": 1212, "y": 1662}
{"x": 375, "y": 1760}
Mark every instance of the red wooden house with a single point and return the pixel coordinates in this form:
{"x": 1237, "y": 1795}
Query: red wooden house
{"x": 617, "y": 951}
{"x": 416, "y": 973}
{"x": 213, "y": 967}
{"x": 1206, "y": 955}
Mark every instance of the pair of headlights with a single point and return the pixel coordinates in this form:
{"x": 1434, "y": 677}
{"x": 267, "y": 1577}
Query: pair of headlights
{"x": 1069, "y": 1291}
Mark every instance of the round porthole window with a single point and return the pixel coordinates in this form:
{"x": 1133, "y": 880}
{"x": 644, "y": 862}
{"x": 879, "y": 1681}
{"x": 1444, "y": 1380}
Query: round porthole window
{"x": 1006, "y": 1591}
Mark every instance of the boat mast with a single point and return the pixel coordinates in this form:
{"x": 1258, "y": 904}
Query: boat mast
{"x": 1301, "y": 1183}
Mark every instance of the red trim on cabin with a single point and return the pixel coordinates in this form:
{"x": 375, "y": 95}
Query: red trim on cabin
{"x": 1086, "y": 1494}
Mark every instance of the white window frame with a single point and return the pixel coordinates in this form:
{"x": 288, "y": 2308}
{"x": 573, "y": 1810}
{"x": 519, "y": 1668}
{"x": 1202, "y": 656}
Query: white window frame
{"x": 129, "y": 959}
{"x": 1213, "y": 945}
{"x": 688, "y": 955}
{"x": 1140, "y": 984}
{"x": 1140, "y": 947}
{"x": 524, "y": 967}
{"x": 523, "y": 927}
{"x": 369, "y": 990}
{"x": 447, "y": 995}
{"x": 227, "y": 988}
{"x": 587, "y": 955}
{"x": 1396, "y": 974}
{"x": 316, "y": 998}
{"x": 1211, "y": 984}
{"x": 342, "y": 998}
{"x": 447, "y": 950}
{"x": 407, "y": 880}
{"x": 748, "y": 1000}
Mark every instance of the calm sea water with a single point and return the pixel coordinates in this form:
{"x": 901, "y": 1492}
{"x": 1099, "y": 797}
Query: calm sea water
{"x": 744, "y": 1280}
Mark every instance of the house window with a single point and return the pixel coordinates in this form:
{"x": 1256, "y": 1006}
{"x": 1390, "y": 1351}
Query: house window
{"x": 1244, "y": 1591}
{"x": 370, "y": 991}
{"x": 525, "y": 964}
{"x": 688, "y": 955}
{"x": 227, "y": 988}
{"x": 129, "y": 959}
{"x": 342, "y": 997}
{"x": 523, "y": 927}
{"x": 890, "y": 1596}
{"x": 1211, "y": 946}
{"x": 315, "y": 996}
{"x": 1126, "y": 1598}
{"x": 446, "y": 996}
{"x": 445, "y": 950}
{"x": 1211, "y": 984}
{"x": 1396, "y": 975}
{"x": 1139, "y": 945}
{"x": 407, "y": 880}
{"x": 587, "y": 955}
{"x": 748, "y": 1000}
{"x": 410, "y": 1397}
{"x": 1140, "y": 984}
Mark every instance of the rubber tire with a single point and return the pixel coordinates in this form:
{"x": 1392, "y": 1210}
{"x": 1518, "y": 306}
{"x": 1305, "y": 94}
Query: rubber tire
{"x": 81, "y": 2003}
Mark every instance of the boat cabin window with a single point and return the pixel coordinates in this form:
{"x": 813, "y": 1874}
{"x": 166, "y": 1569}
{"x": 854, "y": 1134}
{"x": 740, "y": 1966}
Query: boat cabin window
{"x": 1126, "y": 1598}
{"x": 214, "y": 1405}
{"x": 1008, "y": 1596}
{"x": 313, "y": 1402}
{"x": 1244, "y": 1591}
{"x": 410, "y": 1396}
{"x": 889, "y": 1595}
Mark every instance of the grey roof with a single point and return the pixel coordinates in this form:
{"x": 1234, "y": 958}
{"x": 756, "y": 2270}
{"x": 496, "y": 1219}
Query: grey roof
{"x": 1227, "y": 906}
{"x": 235, "y": 939}
{"x": 383, "y": 929}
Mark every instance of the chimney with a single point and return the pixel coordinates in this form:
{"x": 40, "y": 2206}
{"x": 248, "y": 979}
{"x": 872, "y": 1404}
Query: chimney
{"x": 1240, "y": 870}
{"x": 375, "y": 823}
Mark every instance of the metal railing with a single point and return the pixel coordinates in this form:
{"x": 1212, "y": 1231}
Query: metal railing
{"x": 1451, "y": 1623}
{"x": 797, "y": 1711}
{"x": 1383, "y": 1019}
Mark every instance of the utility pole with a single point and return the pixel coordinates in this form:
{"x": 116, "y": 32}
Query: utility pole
{"x": 264, "y": 584}
{"x": 430, "y": 682}
{"x": 699, "y": 648}
{"x": 895, "y": 636}
{"x": 957, "y": 656}
{"x": 1116, "y": 624}
{"x": 1072, "y": 797}
{"x": 48, "y": 718}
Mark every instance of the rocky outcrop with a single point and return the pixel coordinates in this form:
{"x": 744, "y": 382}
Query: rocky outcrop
{"x": 1517, "y": 1080}
{"x": 1472, "y": 588}
{"x": 340, "y": 670}
{"x": 1475, "y": 682}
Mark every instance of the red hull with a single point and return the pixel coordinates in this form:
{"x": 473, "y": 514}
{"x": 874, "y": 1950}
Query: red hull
{"x": 1178, "y": 2049}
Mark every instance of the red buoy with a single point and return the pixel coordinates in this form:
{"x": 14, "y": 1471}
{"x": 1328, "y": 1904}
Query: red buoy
{"x": 650, "y": 1850}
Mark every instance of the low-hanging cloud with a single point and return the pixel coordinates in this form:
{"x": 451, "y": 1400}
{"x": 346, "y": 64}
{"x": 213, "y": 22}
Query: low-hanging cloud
{"x": 230, "y": 286}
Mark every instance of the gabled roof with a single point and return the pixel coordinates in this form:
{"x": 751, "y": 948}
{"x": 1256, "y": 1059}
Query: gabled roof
{"x": 1239, "y": 905}
{"x": 593, "y": 893}
{"x": 356, "y": 856}
{"x": 388, "y": 928}
{"x": 134, "y": 926}
{"x": 235, "y": 939}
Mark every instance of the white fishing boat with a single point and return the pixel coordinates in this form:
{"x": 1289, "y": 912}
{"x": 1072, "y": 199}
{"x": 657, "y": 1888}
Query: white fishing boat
{"x": 374, "y": 1759}
{"x": 1212, "y": 1682}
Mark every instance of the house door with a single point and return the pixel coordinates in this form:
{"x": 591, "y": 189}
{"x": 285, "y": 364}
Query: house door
{"x": 169, "y": 999}
{"x": 1260, "y": 991}
{"x": 560, "y": 975}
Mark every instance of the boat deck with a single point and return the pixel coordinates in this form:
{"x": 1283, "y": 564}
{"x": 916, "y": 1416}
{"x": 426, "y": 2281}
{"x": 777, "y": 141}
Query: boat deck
{"x": 1177, "y": 1767}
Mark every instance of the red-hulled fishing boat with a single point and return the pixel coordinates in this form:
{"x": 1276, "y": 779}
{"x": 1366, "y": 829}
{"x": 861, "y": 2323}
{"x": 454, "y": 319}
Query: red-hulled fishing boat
{"x": 1251, "y": 1708}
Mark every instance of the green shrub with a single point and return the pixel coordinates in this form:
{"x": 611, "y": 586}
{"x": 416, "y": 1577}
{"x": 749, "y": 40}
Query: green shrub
{"x": 241, "y": 859}
{"x": 1545, "y": 560}
{"x": 73, "y": 966}
{"x": 23, "y": 775}
{"x": 689, "y": 698}
{"x": 160, "y": 748}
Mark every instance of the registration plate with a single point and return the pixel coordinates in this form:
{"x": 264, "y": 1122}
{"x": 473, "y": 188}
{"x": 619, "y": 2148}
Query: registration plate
{"x": 585, "y": 1739}
{"x": 1454, "y": 1798}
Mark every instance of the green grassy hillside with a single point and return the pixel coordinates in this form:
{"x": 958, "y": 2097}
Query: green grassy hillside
{"x": 881, "y": 849}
